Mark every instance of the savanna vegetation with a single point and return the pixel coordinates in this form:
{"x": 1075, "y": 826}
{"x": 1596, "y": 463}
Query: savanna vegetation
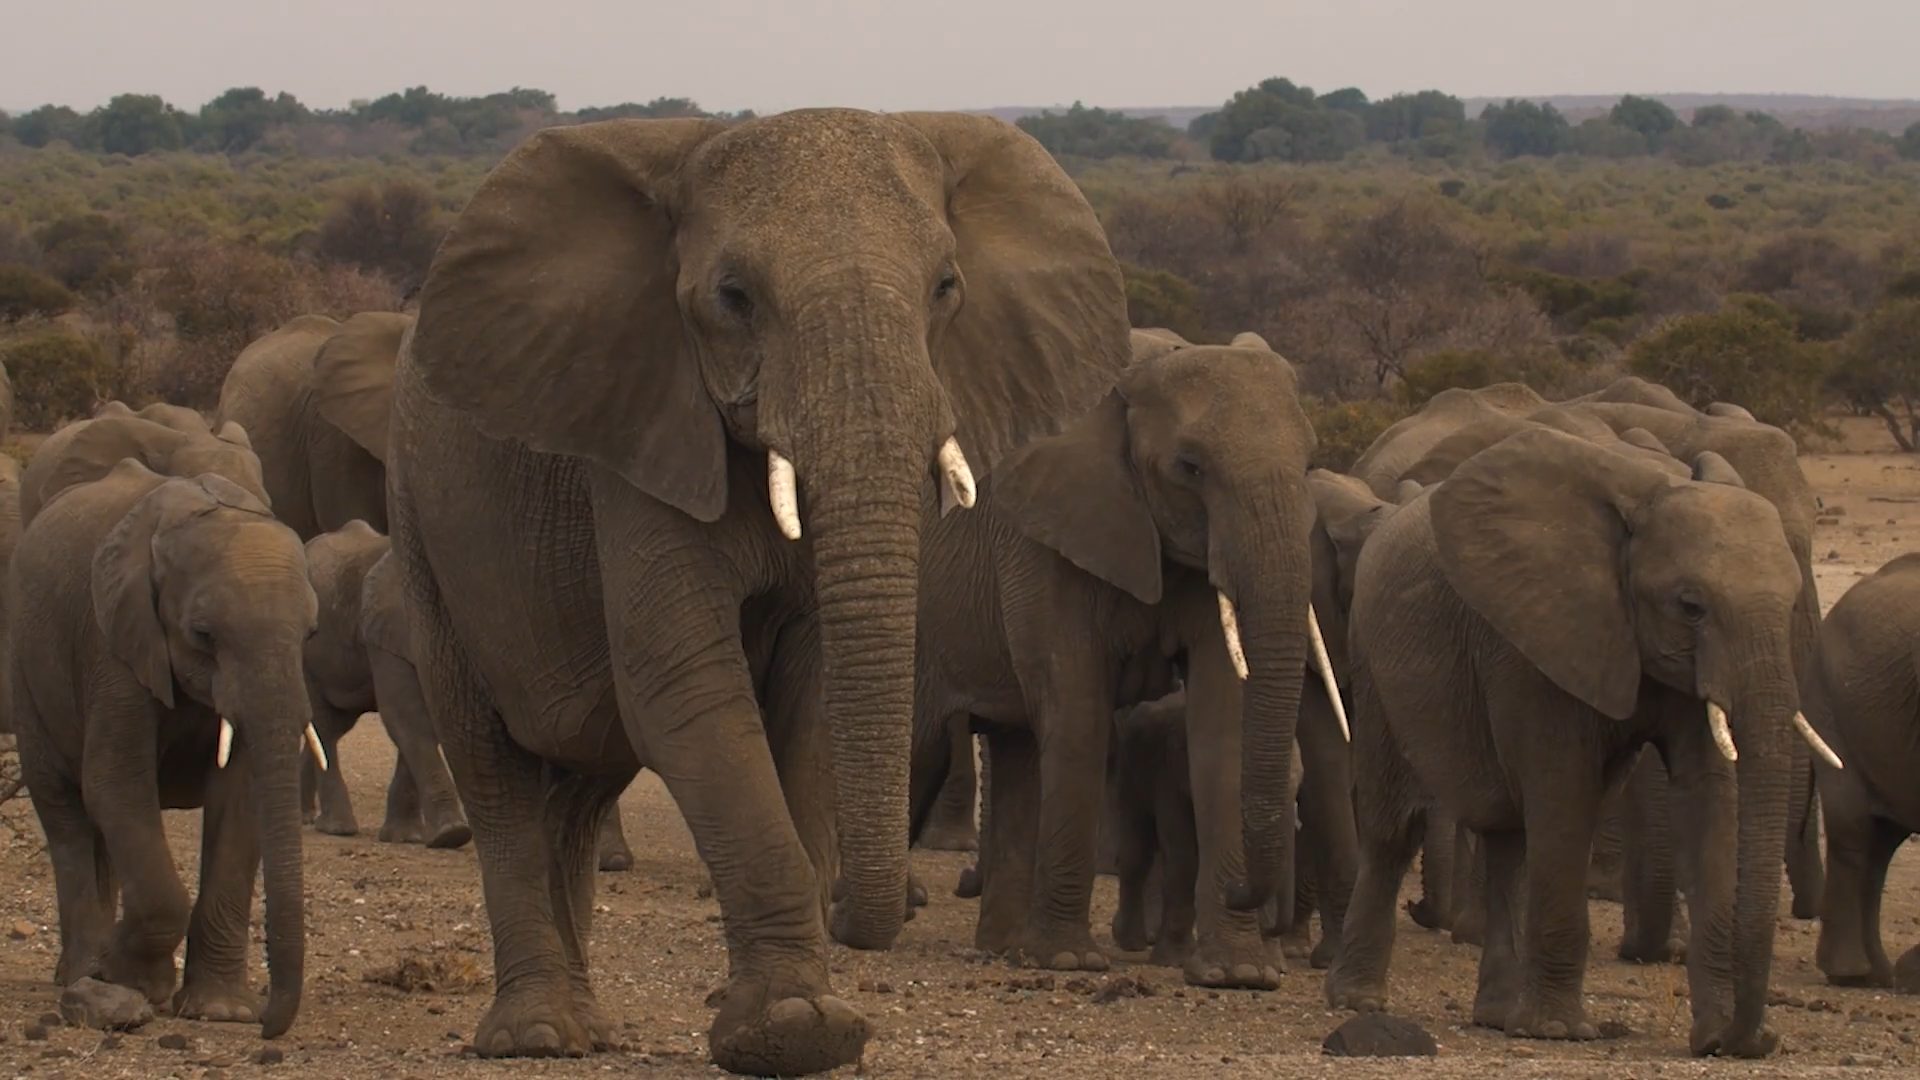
{"x": 1391, "y": 248}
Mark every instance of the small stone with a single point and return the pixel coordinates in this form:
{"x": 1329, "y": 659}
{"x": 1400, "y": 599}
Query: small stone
{"x": 57, "y": 1052}
{"x": 1379, "y": 1035}
{"x": 110, "y": 1042}
{"x": 270, "y": 1055}
{"x": 22, "y": 930}
{"x": 52, "y": 1019}
{"x": 35, "y": 1032}
{"x": 90, "y": 1003}
{"x": 1863, "y": 1061}
{"x": 1122, "y": 986}
{"x": 174, "y": 1041}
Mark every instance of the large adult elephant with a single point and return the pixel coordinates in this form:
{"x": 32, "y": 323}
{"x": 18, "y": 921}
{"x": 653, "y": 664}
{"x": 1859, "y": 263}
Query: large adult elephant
{"x": 88, "y": 449}
{"x": 1865, "y": 698}
{"x": 315, "y": 395}
{"x": 679, "y": 400}
{"x": 164, "y": 672}
{"x": 1519, "y": 633}
{"x": 1168, "y": 524}
{"x": 9, "y": 537}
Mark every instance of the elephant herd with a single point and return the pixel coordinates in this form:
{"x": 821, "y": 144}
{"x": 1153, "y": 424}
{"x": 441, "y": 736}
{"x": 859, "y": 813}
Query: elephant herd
{"x": 783, "y": 458}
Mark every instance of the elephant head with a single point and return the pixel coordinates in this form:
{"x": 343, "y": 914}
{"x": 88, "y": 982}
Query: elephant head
{"x": 90, "y": 449}
{"x": 1197, "y": 461}
{"x": 1602, "y": 570}
{"x": 873, "y": 307}
{"x": 204, "y": 596}
{"x": 1346, "y": 513}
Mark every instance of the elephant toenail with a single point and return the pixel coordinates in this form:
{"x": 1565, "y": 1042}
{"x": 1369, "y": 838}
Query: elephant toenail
{"x": 790, "y": 1012}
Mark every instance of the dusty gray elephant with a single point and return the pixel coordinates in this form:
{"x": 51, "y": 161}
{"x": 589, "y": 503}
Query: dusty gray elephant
{"x": 315, "y": 396}
{"x": 1865, "y": 698}
{"x": 1519, "y": 633}
{"x": 165, "y": 671}
{"x": 9, "y": 538}
{"x": 679, "y": 399}
{"x": 178, "y": 417}
{"x": 1175, "y": 508}
{"x": 360, "y": 661}
{"x": 88, "y": 449}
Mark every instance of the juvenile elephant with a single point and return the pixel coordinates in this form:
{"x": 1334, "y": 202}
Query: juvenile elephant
{"x": 165, "y": 672}
{"x": 360, "y": 661}
{"x": 1169, "y": 522}
{"x": 315, "y": 396}
{"x": 88, "y": 449}
{"x": 1865, "y": 700}
{"x": 680, "y": 398}
{"x": 1519, "y": 632}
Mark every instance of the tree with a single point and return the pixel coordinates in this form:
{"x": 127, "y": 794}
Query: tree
{"x": 1405, "y": 117}
{"x": 1525, "y": 129}
{"x": 1602, "y": 137}
{"x": 1099, "y": 133}
{"x": 1275, "y": 103}
{"x": 1346, "y": 99}
{"x": 25, "y": 293}
{"x": 1879, "y": 369}
{"x": 135, "y": 124}
{"x": 1301, "y": 135}
{"x": 1746, "y": 353}
{"x": 239, "y": 118}
{"x": 1648, "y": 116}
{"x": 86, "y": 252}
{"x": 50, "y": 123}
{"x": 1909, "y": 144}
{"x": 392, "y": 230}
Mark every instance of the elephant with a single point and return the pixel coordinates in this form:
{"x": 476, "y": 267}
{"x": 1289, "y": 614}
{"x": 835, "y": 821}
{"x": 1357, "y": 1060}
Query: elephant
{"x": 1156, "y": 824}
{"x": 178, "y": 417}
{"x": 1865, "y": 700}
{"x": 952, "y": 824}
{"x": 89, "y": 449}
{"x": 9, "y": 537}
{"x": 165, "y": 672}
{"x": 1159, "y": 527}
{"x": 315, "y": 395}
{"x": 360, "y": 661}
{"x": 1519, "y": 632}
{"x": 681, "y": 399}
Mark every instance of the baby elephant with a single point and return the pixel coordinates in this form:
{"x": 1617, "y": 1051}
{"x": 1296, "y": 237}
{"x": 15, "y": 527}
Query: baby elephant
{"x": 1865, "y": 700}
{"x": 1154, "y": 818}
{"x": 164, "y": 671}
{"x": 358, "y": 662}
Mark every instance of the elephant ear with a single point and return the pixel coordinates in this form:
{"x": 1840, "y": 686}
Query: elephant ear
{"x": 1247, "y": 339}
{"x": 1042, "y": 330}
{"x": 1531, "y": 535}
{"x": 1154, "y": 343}
{"x": 92, "y": 453}
{"x": 125, "y": 603}
{"x": 1075, "y": 492}
{"x": 549, "y": 315}
{"x": 1407, "y": 491}
{"x": 1452, "y": 451}
{"x": 1711, "y": 468}
{"x": 353, "y": 377}
{"x": 1645, "y": 440}
{"x": 383, "y": 620}
{"x": 232, "y": 432}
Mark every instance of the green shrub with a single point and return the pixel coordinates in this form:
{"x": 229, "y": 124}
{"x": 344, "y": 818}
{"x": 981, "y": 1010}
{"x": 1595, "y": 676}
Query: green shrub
{"x": 1346, "y": 428}
{"x": 1158, "y": 298}
{"x": 58, "y": 375}
{"x": 1746, "y": 353}
{"x": 25, "y": 293}
{"x": 1878, "y": 370}
{"x": 1473, "y": 368}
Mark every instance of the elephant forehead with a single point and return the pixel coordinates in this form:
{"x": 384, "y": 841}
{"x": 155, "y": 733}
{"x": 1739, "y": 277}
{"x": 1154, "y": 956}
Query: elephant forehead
{"x": 816, "y": 160}
{"x": 1726, "y": 525}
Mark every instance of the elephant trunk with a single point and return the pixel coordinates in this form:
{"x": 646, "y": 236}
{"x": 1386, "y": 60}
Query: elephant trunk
{"x": 1761, "y": 720}
{"x": 275, "y": 747}
{"x": 1271, "y": 589}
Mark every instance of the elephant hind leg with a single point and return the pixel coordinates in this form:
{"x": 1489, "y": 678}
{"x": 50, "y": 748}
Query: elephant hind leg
{"x": 1647, "y": 867}
{"x": 1008, "y": 846}
{"x": 576, "y": 806}
{"x": 1887, "y": 838}
{"x": 1501, "y": 858}
{"x": 1843, "y": 953}
{"x": 951, "y": 826}
{"x": 1389, "y": 819}
{"x": 336, "y": 805}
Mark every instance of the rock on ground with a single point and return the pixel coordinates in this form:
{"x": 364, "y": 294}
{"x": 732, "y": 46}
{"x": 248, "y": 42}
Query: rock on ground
{"x": 1379, "y": 1035}
{"x": 95, "y": 1004}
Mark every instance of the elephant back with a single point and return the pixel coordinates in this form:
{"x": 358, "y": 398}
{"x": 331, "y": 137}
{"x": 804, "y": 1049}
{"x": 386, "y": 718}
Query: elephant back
{"x": 87, "y": 450}
{"x": 1396, "y": 449}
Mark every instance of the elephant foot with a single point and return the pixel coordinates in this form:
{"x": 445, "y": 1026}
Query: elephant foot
{"x": 1713, "y": 1037}
{"x": 761, "y": 1031}
{"x": 531, "y": 1024}
{"x": 586, "y": 1009}
{"x": 1470, "y": 930}
{"x": 1355, "y": 993}
{"x": 1130, "y": 929}
{"x": 916, "y": 894}
{"x": 1247, "y": 967}
{"x": 403, "y": 831}
{"x": 616, "y": 860}
{"x": 217, "y": 1001}
{"x": 1906, "y": 971}
{"x": 1493, "y": 1008}
{"x": 450, "y": 835}
{"x": 78, "y": 961}
{"x": 337, "y": 825}
{"x": 1646, "y": 952}
{"x": 1535, "y": 1021}
{"x": 1322, "y": 956}
{"x": 968, "y": 886}
{"x": 1171, "y": 950}
{"x": 154, "y": 976}
{"x": 1063, "y": 951}
{"x": 1426, "y": 914}
{"x": 949, "y": 836}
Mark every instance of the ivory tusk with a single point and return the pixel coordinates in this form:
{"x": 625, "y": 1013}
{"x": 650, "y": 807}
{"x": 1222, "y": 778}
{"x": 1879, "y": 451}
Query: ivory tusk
{"x": 1325, "y": 663}
{"x": 783, "y": 493}
{"x": 1230, "y": 626}
{"x": 955, "y": 474}
{"x": 313, "y": 746}
{"x": 1722, "y": 734}
{"x": 1814, "y": 740}
{"x": 225, "y": 751}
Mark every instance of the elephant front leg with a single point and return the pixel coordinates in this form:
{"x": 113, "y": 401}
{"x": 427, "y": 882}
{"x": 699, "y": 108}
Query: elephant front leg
{"x": 613, "y": 854}
{"x": 1850, "y": 952}
{"x": 1561, "y": 807}
{"x": 1502, "y": 857}
{"x": 951, "y": 826}
{"x": 1229, "y": 950}
{"x": 576, "y": 804}
{"x": 215, "y": 983}
{"x": 1327, "y": 825}
{"x": 119, "y": 784}
{"x": 422, "y": 805}
{"x": 82, "y": 875}
{"x": 1806, "y": 873}
{"x": 335, "y": 817}
{"x": 1389, "y": 826}
{"x": 1008, "y": 837}
{"x": 1073, "y": 725}
{"x": 1435, "y": 910}
{"x": 1647, "y": 865}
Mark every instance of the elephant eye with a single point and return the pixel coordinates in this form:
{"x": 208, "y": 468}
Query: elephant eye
{"x": 1692, "y": 610}
{"x": 949, "y": 281}
{"x": 1187, "y": 467}
{"x": 734, "y": 300}
{"x": 202, "y": 639}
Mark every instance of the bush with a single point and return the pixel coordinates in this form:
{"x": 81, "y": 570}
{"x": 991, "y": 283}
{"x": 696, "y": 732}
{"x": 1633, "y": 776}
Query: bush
{"x": 1746, "y": 353}
{"x": 1346, "y": 428}
{"x": 1475, "y": 368}
{"x": 25, "y": 293}
{"x": 58, "y": 375}
{"x": 1158, "y": 298}
{"x": 1100, "y": 133}
{"x": 392, "y": 230}
{"x": 1879, "y": 369}
{"x": 87, "y": 252}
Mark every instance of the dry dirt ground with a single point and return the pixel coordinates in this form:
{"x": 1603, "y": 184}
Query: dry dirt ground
{"x": 942, "y": 1010}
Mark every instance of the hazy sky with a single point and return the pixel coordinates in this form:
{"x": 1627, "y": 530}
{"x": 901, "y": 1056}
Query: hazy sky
{"x": 953, "y": 53}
